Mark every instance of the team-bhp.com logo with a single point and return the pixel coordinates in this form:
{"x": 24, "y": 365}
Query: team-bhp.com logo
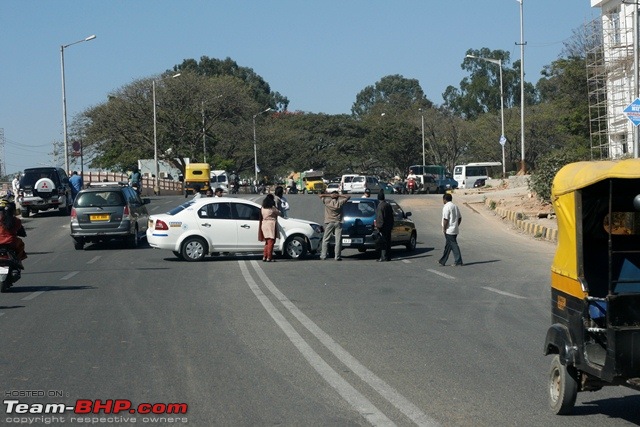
{"x": 95, "y": 406}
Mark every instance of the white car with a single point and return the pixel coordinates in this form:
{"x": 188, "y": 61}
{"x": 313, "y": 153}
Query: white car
{"x": 206, "y": 225}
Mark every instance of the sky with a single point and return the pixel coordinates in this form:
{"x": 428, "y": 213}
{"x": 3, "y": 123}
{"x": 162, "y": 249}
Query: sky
{"x": 319, "y": 54}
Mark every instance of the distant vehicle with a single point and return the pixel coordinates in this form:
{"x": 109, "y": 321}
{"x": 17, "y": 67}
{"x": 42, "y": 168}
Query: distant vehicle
{"x": 468, "y": 174}
{"x": 208, "y": 225}
{"x": 364, "y": 182}
{"x": 332, "y": 186}
{"x": 346, "y": 181}
{"x": 443, "y": 179}
{"x": 44, "y": 188}
{"x": 108, "y": 210}
{"x": 197, "y": 176}
{"x": 219, "y": 179}
{"x": 311, "y": 182}
{"x": 358, "y": 230}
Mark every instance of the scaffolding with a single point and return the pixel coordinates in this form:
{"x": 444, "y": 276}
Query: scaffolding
{"x": 610, "y": 66}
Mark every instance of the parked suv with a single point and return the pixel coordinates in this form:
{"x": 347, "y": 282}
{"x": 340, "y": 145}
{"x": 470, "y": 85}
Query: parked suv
{"x": 108, "y": 210}
{"x": 358, "y": 227}
{"x": 44, "y": 188}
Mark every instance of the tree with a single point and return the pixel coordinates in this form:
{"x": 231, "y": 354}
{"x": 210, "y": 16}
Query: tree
{"x": 260, "y": 89}
{"x": 390, "y": 94}
{"x": 120, "y": 130}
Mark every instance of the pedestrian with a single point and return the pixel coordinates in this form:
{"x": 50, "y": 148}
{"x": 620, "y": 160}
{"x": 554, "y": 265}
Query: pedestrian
{"x": 384, "y": 224}
{"x": 135, "y": 180}
{"x": 219, "y": 192}
{"x": 451, "y": 219}
{"x": 268, "y": 229}
{"x": 281, "y": 202}
{"x": 197, "y": 188}
{"x": 209, "y": 192}
{"x": 332, "y": 222}
{"x": 367, "y": 193}
{"x": 76, "y": 184}
{"x": 15, "y": 185}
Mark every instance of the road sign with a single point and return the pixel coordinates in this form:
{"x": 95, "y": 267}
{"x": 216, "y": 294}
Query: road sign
{"x": 633, "y": 112}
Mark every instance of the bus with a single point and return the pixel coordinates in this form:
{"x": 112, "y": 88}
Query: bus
{"x": 466, "y": 175}
{"x": 441, "y": 175}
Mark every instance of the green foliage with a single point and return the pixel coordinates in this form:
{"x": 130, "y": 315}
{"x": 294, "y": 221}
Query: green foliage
{"x": 548, "y": 166}
{"x": 390, "y": 95}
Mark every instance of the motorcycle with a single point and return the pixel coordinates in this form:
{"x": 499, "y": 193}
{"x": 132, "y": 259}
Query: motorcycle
{"x": 10, "y": 268}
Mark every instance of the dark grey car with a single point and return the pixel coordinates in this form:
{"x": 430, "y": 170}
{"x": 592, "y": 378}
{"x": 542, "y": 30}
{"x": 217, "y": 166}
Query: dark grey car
{"x": 108, "y": 211}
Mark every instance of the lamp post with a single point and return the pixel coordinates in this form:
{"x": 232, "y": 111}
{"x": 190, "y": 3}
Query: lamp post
{"x": 255, "y": 144}
{"x": 503, "y": 140}
{"x": 156, "y": 182}
{"x": 423, "y": 156}
{"x": 64, "y": 100}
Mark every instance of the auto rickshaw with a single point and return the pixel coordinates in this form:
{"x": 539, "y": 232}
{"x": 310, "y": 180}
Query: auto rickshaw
{"x": 595, "y": 280}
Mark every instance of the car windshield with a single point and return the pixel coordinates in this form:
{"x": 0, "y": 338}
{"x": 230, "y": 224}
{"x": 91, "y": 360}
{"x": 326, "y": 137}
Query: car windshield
{"x": 102, "y": 198}
{"x": 180, "y": 208}
{"x": 359, "y": 209}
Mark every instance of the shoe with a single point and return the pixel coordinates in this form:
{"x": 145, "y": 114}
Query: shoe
{"x": 322, "y": 259}
{"x": 264, "y": 260}
{"x": 457, "y": 265}
{"x": 338, "y": 259}
{"x": 381, "y": 260}
{"x": 441, "y": 264}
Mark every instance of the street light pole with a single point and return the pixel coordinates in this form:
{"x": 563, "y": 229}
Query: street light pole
{"x": 503, "y": 139}
{"x": 156, "y": 182}
{"x": 64, "y": 100}
{"x": 523, "y": 166}
{"x": 423, "y": 156}
{"x": 255, "y": 144}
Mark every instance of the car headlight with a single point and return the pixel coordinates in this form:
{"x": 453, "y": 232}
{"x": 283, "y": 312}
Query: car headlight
{"x": 317, "y": 228}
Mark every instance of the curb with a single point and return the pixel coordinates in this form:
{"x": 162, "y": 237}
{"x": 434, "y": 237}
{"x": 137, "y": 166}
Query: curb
{"x": 520, "y": 221}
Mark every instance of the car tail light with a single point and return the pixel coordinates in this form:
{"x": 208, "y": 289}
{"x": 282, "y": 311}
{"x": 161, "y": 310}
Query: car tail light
{"x": 161, "y": 225}
{"x": 74, "y": 214}
{"x": 125, "y": 211}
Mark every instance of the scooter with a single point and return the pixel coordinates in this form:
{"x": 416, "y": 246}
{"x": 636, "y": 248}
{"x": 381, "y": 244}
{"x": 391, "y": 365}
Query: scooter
{"x": 10, "y": 268}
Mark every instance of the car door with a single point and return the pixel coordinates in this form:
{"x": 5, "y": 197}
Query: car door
{"x": 401, "y": 230}
{"x": 216, "y": 223}
{"x": 137, "y": 208}
{"x": 247, "y": 218}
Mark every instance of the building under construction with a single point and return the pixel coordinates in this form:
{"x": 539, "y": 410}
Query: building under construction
{"x": 611, "y": 67}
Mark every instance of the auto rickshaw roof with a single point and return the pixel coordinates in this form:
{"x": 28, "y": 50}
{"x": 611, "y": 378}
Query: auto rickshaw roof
{"x": 575, "y": 176}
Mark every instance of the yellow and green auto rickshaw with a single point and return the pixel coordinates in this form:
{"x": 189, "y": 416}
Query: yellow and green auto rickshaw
{"x": 595, "y": 280}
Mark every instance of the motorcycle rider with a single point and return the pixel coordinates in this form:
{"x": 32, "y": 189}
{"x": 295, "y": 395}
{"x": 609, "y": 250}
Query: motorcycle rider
{"x": 11, "y": 229}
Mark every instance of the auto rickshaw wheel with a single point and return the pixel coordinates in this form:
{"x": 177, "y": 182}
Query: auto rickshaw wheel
{"x": 563, "y": 387}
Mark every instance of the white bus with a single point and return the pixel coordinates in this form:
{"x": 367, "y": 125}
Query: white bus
{"x": 466, "y": 175}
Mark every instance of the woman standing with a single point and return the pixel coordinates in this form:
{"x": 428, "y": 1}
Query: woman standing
{"x": 269, "y": 226}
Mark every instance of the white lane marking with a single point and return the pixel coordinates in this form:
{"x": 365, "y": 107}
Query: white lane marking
{"x": 70, "y": 275}
{"x": 440, "y": 273}
{"x": 1, "y": 314}
{"x": 378, "y": 384}
{"x": 346, "y": 390}
{"x": 503, "y": 292}
{"x": 406, "y": 261}
{"x": 32, "y": 296}
{"x": 94, "y": 259}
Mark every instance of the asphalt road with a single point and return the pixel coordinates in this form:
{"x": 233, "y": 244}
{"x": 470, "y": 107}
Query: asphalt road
{"x": 294, "y": 343}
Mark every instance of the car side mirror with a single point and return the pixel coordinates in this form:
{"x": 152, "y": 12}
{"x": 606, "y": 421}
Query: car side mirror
{"x": 146, "y": 201}
{"x": 407, "y": 214}
{"x": 636, "y": 202}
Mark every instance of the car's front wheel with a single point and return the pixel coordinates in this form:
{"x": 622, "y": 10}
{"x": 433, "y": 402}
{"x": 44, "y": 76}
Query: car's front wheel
{"x": 194, "y": 249}
{"x": 133, "y": 240}
{"x": 413, "y": 240}
{"x": 296, "y": 248}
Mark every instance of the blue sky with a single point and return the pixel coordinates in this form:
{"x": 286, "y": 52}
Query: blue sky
{"x": 319, "y": 54}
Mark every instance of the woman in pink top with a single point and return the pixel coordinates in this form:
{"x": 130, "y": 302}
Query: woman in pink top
{"x": 268, "y": 226}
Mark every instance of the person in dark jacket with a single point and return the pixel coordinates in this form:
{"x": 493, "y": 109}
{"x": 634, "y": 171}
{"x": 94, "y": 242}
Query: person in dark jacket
{"x": 384, "y": 224}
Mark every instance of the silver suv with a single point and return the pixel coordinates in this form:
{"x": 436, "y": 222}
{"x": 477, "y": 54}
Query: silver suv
{"x": 108, "y": 210}
{"x": 44, "y": 188}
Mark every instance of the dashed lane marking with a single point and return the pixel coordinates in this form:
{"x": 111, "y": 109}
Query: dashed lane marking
{"x": 503, "y": 292}
{"x": 32, "y": 296}
{"x": 94, "y": 259}
{"x": 70, "y": 275}
{"x": 440, "y": 273}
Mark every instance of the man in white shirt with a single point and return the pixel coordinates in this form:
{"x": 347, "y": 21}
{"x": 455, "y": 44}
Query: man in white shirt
{"x": 451, "y": 219}
{"x": 15, "y": 185}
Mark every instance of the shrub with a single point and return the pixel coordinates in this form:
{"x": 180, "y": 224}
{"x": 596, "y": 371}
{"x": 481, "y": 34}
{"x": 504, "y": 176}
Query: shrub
{"x": 546, "y": 169}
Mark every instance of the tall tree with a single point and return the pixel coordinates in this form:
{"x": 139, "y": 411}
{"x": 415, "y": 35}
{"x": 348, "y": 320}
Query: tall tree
{"x": 390, "y": 94}
{"x": 211, "y": 67}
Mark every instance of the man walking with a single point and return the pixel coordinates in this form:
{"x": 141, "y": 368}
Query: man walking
{"x": 76, "y": 184}
{"x": 332, "y": 222}
{"x": 451, "y": 219}
{"x": 384, "y": 224}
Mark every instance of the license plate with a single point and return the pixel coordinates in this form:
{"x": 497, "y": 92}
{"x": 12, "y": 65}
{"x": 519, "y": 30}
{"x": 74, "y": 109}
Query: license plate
{"x": 99, "y": 217}
{"x": 351, "y": 241}
{"x": 4, "y": 270}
